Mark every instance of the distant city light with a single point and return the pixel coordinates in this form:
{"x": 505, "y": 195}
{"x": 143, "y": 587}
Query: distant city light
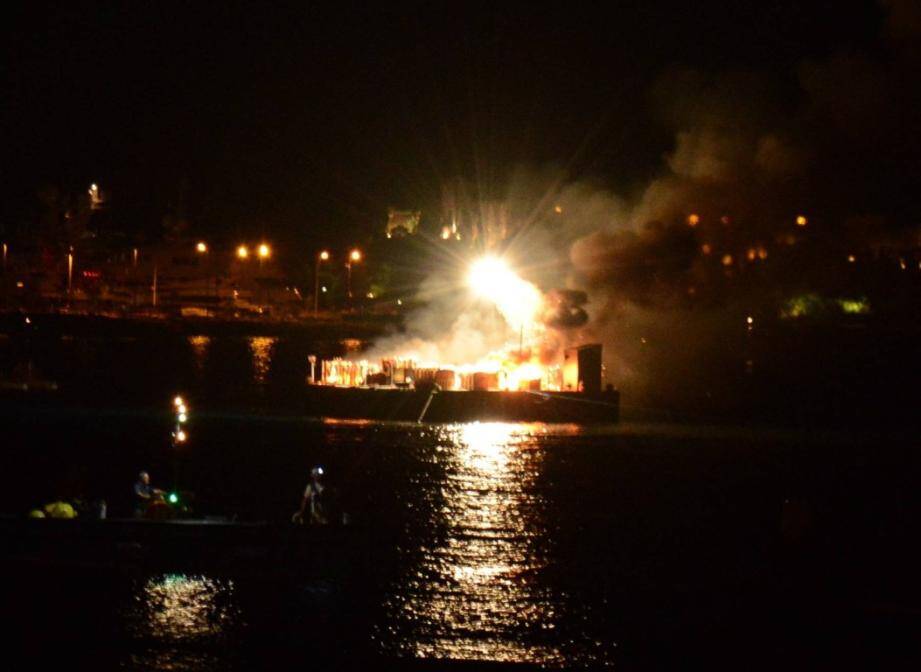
{"x": 445, "y": 233}
{"x": 242, "y": 252}
{"x": 323, "y": 289}
{"x": 803, "y": 305}
{"x": 355, "y": 255}
{"x": 801, "y": 220}
{"x": 858, "y": 306}
{"x": 178, "y": 401}
{"x": 324, "y": 255}
{"x": 399, "y": 302}
{"x": 727, "y": 260}
{"x": 705, "y": 248}
{"x": 201, "y": 247}
{"x": 264, "y": 251}
{"x": 851, "y": 258}
{"x": 370, "y": 295}
{"x": 181, "y": 436}
{"x": 558, "y": 209}
{"x": 749, "y": 320}
{"x": 693, "y": 220}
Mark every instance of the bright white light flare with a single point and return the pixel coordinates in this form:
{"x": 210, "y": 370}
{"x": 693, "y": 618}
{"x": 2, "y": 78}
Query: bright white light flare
{"x": 518, "y": 300}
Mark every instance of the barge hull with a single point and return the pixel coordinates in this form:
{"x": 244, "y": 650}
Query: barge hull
{"x": 461, "y": 406}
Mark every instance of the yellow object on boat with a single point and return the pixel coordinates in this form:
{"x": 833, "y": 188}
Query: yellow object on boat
{"x": 60, "y": 510}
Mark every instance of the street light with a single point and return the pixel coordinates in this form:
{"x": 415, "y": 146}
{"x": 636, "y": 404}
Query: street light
{"x": 182, "y": 416}
{"x": 264, "y": 252}
{"x": 354, "y": 257}
{"x": 95, "y": 196}
{"x": 242, "y": 252}
{"x": 70, "y": 269}
{"x": 321, "y": 257}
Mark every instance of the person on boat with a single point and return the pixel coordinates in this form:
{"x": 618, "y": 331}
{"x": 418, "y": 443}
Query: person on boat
{"x": 317, "y": 500}
{"x": 144, "y": 495}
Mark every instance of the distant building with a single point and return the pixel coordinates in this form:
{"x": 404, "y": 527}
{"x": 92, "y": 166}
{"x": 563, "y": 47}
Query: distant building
{"x": 402, "y": 222}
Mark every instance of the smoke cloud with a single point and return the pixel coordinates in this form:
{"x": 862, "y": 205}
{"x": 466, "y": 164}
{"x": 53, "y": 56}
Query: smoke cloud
{"x": 667, "y": 295}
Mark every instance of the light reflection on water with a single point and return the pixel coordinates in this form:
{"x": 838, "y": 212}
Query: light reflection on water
{"x": 261, "y": 349}
{"x": 179, "y": 607}
{"x": 200, "y": 345}
{"x": 473, "y": 593}
{"x": 183, "y": 623}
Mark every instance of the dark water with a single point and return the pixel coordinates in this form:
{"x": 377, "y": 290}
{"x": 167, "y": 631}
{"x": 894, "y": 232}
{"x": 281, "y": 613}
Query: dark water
{"x": 632, "y": 546}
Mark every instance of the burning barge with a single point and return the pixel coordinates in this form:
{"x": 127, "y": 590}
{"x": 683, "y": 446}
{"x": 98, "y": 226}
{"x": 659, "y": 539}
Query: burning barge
{"x": 402, "y": 390}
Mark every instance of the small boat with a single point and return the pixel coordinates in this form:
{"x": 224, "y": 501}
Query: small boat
{"x": 207, "y": 545}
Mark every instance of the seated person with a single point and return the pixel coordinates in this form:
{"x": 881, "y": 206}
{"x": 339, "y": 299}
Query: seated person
{"x": 144, "y": 494}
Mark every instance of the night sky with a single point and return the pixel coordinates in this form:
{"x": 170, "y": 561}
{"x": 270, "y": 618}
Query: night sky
{"x": 311, "y": 120}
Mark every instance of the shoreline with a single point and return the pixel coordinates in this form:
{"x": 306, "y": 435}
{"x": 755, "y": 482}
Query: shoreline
{"x": 338, "y": 325}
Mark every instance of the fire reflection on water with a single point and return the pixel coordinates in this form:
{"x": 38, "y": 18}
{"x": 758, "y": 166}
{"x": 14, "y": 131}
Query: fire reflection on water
{"x": 473, "y": 594}
{"x": 261, "y": 349}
